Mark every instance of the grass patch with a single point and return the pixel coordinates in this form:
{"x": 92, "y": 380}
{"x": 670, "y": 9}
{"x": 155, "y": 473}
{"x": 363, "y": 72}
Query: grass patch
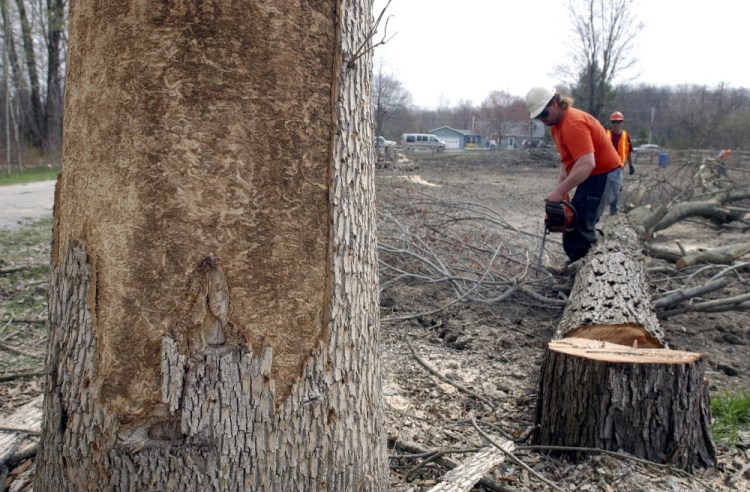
{"x": 24, "y": 262}
{"x": 731, "y": 416}
{"x": 29, "y": 175}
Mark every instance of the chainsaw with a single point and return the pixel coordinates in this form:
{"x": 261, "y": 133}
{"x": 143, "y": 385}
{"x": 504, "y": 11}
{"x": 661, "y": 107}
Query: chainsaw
{"x": 558, "y": 217}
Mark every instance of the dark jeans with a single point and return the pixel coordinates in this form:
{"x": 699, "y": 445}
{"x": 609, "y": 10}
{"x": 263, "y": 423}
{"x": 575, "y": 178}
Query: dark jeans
{"x": 588, "y": 204}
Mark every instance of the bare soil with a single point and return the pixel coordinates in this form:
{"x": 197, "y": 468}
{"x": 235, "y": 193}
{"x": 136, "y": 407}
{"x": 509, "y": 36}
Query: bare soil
{"x": 491, "y": 349}
{"x": 494, "y": 350}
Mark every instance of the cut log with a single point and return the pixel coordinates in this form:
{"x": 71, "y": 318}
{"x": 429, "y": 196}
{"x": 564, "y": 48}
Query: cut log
{"x": 610, "y": 299}
{"x": 28, "y": 417}
{"x": 463, "y": 477}
{"x": 608, "y": 379}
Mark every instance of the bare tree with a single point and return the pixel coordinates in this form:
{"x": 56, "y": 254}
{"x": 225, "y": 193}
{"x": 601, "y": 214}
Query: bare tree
{"x": 53, "y": 112}
{"x": 502, "y": 112}
{"x": 698, "y": 113}
{"x": 606, "y": 32}
{"x": 388, "y": 98}
{"x": 36, "y": 118}
{"x": 736, "y": 134}
{"x": 463, "y": 115}
{"x": 36, "y": 69}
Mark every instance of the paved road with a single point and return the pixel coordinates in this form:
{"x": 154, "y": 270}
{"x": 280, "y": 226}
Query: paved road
{"x": 20, "y": 204}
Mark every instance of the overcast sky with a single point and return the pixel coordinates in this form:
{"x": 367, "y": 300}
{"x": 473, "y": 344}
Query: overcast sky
{"x": 448, "y": 50}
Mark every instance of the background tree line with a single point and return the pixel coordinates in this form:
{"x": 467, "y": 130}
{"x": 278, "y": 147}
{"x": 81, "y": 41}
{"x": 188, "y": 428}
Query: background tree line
{"x": 682, "y": 117}
{"x": 601, "y": 56}
{"x": 34, "y": 40}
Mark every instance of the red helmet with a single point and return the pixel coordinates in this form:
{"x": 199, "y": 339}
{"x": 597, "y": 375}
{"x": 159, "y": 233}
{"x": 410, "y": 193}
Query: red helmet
{"x": 616, "y": 116}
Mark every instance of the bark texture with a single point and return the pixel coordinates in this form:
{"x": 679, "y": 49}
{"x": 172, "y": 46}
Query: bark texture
{"x": 656, "y": 411}
{"x": 619, "y": 387}
{"x": 610, "y": 292}
{"x": 213, "y": 300}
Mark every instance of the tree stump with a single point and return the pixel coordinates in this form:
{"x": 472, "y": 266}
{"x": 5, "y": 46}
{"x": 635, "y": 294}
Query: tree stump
{"x": 608, "y": 379}
{"x": 651, "y": 403}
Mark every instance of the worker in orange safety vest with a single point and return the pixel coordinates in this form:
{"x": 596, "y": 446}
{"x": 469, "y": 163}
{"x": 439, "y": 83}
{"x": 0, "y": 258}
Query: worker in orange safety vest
{"x": 621, "y": 140}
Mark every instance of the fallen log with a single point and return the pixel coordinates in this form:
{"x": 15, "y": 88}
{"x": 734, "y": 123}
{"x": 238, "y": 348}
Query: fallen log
{"x": 713, "y": 209}
{"x": 608, "y": 379}
{"x": 723, "y": 255}
{"x": 734, "y": 303}
{"x": 610, "y": 299}
{"x": 414, "y": 448}
{"x": 678, "y": 296}
{"x": 467, "y": 474}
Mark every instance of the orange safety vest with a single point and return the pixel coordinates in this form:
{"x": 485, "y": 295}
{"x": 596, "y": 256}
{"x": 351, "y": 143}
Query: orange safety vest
{"x": 622, "y": 146}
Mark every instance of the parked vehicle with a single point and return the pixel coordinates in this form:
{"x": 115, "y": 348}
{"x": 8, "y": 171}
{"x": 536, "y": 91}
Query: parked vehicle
{"x": 382, "y": 142}
{"x": 648, "y": 148}
{"x": 414, "y": 141}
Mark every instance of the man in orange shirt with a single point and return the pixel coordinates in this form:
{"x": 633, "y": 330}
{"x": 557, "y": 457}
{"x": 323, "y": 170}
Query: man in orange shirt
{"x": 590, "y": 163}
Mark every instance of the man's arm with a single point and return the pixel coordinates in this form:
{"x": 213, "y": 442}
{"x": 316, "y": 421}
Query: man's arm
{"x": 578, "y": 174}
{"x": 630, "y": 153}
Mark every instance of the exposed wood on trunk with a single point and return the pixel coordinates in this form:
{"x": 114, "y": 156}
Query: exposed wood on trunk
{"x": 213, "y": 297}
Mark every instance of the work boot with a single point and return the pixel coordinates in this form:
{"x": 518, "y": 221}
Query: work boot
{"x": 560, "y": 269}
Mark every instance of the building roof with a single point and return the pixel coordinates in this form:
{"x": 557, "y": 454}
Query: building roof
{"x": 462, "y": 132}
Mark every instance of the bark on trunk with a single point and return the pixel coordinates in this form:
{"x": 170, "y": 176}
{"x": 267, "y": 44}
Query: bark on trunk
{"x": 608, "y": 379}
{"x": 213, "y": 299}
{"x": 610, "y": 299}
{"x": 651, "y": 403}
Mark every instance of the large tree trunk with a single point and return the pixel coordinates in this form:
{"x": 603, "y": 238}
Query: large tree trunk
{"x": 213, "y": 299}
{"x": 608, "y": 379}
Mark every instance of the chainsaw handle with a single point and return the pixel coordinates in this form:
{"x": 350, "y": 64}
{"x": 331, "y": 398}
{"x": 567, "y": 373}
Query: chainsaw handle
{"x": 572, "y": 210}
{"x": 559, "y": 216}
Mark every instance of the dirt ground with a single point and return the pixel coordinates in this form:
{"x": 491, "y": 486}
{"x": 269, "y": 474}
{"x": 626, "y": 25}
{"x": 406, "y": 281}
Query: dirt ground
{"x": 494, "y": 349}
{"x": 488, "y": 353}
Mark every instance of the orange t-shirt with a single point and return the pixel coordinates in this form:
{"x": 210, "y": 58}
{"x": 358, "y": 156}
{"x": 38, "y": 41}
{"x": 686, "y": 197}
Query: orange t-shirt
{"x": 579, "y": 133}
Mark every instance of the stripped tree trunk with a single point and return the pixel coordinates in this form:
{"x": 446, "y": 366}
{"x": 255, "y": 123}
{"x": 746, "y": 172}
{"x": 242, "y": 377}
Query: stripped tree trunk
{"x": 213, "y": 301}
{"x": 608, "y": 380}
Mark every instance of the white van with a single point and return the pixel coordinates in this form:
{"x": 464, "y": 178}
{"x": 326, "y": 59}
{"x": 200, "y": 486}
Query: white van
{"x": 414, "y": 141}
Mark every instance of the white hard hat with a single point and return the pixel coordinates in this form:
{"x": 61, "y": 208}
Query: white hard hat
{"x": 538, "y": 98}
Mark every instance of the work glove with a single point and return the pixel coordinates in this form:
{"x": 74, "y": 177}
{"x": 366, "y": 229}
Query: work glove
{"x": 631, "y": 169}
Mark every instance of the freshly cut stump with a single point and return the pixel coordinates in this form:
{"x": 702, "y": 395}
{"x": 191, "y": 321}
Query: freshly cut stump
{"x": 609, "y": 380}
{"x": 652, "y": 403}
